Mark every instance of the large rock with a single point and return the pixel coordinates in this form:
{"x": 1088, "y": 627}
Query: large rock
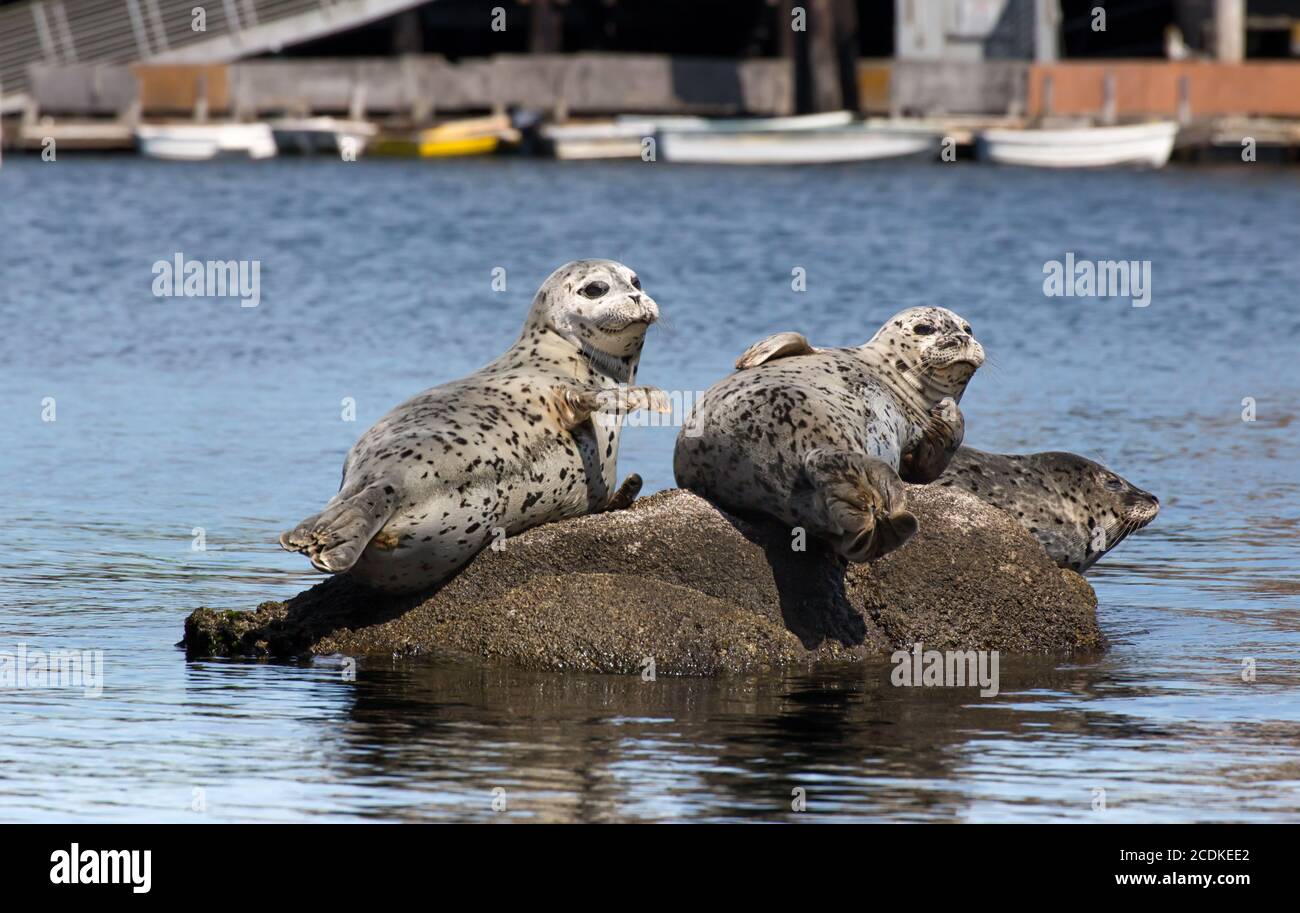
{"x": 700, "y": 591}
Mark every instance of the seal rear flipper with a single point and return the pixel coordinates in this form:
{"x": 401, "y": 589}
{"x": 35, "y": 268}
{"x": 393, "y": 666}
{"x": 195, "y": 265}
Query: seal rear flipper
{"x": 862, "y": 503}
{"x": 335, "y": 538}
{"x": 626, "y": 494}
{"x": 782, "y": 345}
{"x": 887, "y": 534}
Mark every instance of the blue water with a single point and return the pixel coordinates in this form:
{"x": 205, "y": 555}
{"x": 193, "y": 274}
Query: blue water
{"x": 176, "y": 417}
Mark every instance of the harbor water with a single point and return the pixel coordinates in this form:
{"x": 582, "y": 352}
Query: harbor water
{"x": 155, "y": 446}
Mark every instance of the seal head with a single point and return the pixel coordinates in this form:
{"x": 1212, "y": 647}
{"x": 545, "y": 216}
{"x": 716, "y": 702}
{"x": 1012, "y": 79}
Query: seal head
{"x": 600, "y": 307}
{"x": 931, "y": 351}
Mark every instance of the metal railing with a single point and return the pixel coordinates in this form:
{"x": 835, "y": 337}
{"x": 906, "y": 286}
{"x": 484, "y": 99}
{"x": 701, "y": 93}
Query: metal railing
{"x": 54, "y": 32}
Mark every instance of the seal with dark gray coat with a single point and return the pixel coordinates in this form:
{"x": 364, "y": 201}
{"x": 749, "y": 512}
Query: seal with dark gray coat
{"x": 822, "y": 439}
{"x": 530, "y": 438}
{"x": 1078, "y": 509}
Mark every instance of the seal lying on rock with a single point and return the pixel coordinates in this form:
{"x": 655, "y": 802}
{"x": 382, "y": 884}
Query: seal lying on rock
{"x": 819, "y": 438}
{"x": 1078, "y": 509}
{"x": 512, "y": 445}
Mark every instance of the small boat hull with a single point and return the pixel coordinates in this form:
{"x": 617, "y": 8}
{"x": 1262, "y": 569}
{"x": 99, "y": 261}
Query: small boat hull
{"x": 811, "y": 147}
{"x": 198, "y": 142}
{"x": 454, "y": 139}
{"x": 678, "y": 124}
{"x": 625, "y": 136}
{"x": 1148, "y": 145}
{"x": 416, "y": 147}
{"x": 586, "y": 150}
{"x": 321, "y": 135}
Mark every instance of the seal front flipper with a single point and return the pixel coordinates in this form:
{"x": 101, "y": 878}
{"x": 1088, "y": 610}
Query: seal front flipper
{"x": 574, "y": 406}
{"x": 335, "y": 538}
{"x": 940, "y": 439}
{"x": 782, "y": 345}
{"x": 630, "y": 399}
{"x": 858, "y": 503}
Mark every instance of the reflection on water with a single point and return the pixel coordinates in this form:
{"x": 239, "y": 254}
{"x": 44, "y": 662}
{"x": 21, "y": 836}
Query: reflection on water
{"x": 601, "y": 748}
{"x": 177, "y": 418}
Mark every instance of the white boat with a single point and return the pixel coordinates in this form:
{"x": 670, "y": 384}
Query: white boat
{"x": 1080, "y": 147}
{"x": 624, "y": 136}
{"x": 609, "y": 139}
{"x": 196, "y": 142}
{"x": 822, "y": 121}
{"x": 854, "y": 143}
{"x": 327, "y": 135}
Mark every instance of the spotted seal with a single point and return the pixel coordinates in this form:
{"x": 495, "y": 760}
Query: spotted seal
{"x": 530, "y": 438}
{"x": 820, "y": 438}
{"x": 1078, "y": 509}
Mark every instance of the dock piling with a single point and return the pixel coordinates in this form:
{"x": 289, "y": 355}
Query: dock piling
{"x": 1108, "y": 104}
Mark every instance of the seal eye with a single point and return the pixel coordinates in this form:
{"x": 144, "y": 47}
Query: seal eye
{"x": 636, "y": 283}
{"x": 966, "y": 328}
{"x": 1113, "y": 483}
{"x": 595, "y": 289}
{"x": 923, "y": 329}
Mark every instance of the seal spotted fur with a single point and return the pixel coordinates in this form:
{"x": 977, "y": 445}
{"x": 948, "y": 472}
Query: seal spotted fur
{"x": 530, "y": 438}
{"x": 823, "y": 438}
{"x": 1078, "y": 509}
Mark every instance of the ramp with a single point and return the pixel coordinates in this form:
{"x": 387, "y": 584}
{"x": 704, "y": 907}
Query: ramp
{"x": 59, "y": 32}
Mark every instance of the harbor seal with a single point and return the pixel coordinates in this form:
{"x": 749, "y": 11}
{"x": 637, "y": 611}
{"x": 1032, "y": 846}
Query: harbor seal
{"x": 822, "y": 439}
{"x": 1078, "y": 509}
{"x": 530, "y": 438}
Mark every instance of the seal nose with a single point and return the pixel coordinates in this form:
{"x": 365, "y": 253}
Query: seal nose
{"x": 1139, "y": 495}
{"x": 648, "y": 311}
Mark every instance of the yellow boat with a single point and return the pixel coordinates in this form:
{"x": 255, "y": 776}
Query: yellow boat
{"x": 472, "y": 136}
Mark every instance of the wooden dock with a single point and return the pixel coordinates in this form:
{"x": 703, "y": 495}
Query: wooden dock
{"x": 1217, "y": 104}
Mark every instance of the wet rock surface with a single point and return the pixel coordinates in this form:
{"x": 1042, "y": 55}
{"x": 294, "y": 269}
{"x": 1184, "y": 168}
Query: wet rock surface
{"x": 700, "y": 591}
